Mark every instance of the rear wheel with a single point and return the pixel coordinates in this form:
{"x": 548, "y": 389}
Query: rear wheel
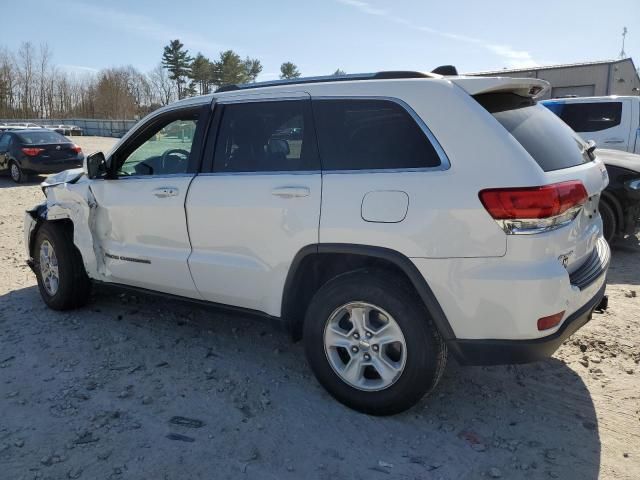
{"x": 371, "y": 344}
{"x": 609, "y": 223}
{"x": 17, "y": 175}
{"x": 62, "y": 279}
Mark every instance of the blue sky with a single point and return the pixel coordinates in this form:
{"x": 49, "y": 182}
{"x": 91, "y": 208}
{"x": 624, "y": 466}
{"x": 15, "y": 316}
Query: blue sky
{"x": 322, "y": 35}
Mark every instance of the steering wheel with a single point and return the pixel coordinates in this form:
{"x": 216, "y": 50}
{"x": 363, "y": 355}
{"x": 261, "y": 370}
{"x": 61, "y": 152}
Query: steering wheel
{"x": 173, "y": 151}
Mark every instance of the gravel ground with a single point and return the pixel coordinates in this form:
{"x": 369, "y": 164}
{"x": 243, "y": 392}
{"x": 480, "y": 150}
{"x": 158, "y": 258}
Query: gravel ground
{"x": 141, "y": 387}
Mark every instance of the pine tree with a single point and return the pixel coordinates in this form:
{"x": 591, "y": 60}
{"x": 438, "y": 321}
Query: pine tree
{"x": 202, "y": 73}
{"x": 231, "y": 69}
{"x": 253, "y": 67}
{"x": 177, "y": 61}
{"x": 289, "y": 70}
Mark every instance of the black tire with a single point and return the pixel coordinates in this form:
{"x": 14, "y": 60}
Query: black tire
{"x": 426, "y": 352}
{"x": 74, "y": 286}
{"x": 16, "y": 173}
{"x": 609, "y": 223}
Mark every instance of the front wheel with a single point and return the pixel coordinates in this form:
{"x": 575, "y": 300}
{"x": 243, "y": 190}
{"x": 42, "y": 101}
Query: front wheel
{"x": 371, "y": 343}
{"x": 62, "y": 279}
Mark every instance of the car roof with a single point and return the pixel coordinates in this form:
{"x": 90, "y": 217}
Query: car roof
{"x": 327, "y": 85}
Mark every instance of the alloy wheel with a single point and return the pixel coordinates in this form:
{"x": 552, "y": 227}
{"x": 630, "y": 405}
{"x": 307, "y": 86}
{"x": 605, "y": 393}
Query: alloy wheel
{"x": 49, "y": 268}
{"x": 365, "y": 346}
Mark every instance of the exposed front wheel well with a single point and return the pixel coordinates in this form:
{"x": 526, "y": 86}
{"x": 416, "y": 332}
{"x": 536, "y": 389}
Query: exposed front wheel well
{"x": 316, "y": 265}
{"x": 64, "y": 222}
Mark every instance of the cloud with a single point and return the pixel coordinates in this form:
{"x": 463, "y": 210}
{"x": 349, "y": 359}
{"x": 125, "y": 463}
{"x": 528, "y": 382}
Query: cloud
{"x": 364, "y": 7}
{"x": 514, "y": 58}
{"x": 141, "y": 25}
{"x": 78, "y": 68}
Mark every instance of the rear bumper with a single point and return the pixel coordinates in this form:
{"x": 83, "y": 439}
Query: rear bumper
{"x": 499, "y": 352}
{"x": 52, "y": 166}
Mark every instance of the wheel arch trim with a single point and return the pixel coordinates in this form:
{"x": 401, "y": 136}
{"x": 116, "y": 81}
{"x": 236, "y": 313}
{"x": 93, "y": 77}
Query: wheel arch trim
{"x": 401, "y": 261}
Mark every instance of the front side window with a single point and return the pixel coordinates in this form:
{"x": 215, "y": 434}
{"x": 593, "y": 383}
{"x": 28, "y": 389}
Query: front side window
{"x": 163, "y": 150}
{"x": 588, "y": 117}
{"x": 265, "y": 137}
{"x": 367, "y": 134}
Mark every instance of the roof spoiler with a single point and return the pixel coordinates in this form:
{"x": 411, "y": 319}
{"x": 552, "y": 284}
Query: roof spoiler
{"x": 525, "y": 87}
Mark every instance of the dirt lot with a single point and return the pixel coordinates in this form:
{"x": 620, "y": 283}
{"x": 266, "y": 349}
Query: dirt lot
{"x": 95, "y": 393}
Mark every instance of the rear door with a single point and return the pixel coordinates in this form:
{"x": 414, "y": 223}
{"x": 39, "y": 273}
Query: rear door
{"x": 141, "y": 228}
{"x": 257, "y": 202}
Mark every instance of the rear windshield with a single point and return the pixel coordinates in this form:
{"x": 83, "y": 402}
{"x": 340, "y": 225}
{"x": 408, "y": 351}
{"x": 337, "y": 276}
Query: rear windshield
{"x": 40, "y": 138}
{"x": 551, "y": 143}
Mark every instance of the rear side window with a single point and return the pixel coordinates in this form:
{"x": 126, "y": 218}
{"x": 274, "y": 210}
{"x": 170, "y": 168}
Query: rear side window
{"x": 4, "y": 141}
{"x": 588, "y": 117}
{"x": 266, "y": 136}
{"x": 40, "y": 138}
{"x": 370, "y": 134}
{"x": 551, "y": 143}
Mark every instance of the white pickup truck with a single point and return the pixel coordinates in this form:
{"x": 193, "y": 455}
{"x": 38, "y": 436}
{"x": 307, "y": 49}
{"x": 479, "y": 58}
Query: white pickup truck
{"x": 612, "y": 122}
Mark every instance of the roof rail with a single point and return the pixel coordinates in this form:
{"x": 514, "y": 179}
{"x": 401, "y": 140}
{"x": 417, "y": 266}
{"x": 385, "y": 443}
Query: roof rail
{"x": 327, "y": 78}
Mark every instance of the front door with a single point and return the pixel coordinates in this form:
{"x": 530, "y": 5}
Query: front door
{"x": 258, "y": 204}
{"x": 140, "y": 217}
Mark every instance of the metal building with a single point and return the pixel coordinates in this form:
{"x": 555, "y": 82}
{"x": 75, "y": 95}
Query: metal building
{"x": 608, "y": 77}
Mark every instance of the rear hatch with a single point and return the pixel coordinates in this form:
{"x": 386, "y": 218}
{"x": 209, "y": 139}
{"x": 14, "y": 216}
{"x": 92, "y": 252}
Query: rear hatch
{"x": 571, "y": 169}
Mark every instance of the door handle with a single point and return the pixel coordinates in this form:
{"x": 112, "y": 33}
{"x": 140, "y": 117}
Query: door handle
{"x": 164, "y": 192}
{"x": 291, "y": 192}
{"x": 614, "y": 140}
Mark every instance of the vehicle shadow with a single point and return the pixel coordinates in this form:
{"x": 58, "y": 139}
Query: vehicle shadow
{"x": 625, "y": 261}
{"x": 6, "y": 182}
{"x": 148, "y": 359}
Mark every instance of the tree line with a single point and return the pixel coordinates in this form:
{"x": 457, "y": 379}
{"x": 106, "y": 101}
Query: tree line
{"x": 32, "y": 86}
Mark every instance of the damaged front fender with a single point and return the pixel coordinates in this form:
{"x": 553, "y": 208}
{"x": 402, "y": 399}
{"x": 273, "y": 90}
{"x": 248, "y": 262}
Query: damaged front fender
{"x": 72, "y": 200}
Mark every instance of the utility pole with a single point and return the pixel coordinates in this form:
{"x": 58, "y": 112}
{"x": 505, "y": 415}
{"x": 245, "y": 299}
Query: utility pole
{"x": 624, "y": 34}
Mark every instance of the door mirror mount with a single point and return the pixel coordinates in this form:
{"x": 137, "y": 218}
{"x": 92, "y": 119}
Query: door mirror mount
{"x": 95, "y": 165}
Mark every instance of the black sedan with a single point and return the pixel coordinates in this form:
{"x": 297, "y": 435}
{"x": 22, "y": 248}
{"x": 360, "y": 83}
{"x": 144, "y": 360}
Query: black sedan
{"x": 35, "y": 151}
{"x": 620, "y": 202}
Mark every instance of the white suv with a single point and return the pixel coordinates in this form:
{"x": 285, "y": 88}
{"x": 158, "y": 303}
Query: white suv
{"x": 385, "y": 219}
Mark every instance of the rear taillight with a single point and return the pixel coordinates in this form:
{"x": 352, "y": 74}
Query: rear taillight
{"x": 32, "y": 151}
{"x": 76, "y": 149}
{"x": 527, "y": 210}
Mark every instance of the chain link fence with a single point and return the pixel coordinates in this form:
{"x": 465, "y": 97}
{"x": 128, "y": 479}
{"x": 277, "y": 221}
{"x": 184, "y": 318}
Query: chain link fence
{"x": 89, "y": 126}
